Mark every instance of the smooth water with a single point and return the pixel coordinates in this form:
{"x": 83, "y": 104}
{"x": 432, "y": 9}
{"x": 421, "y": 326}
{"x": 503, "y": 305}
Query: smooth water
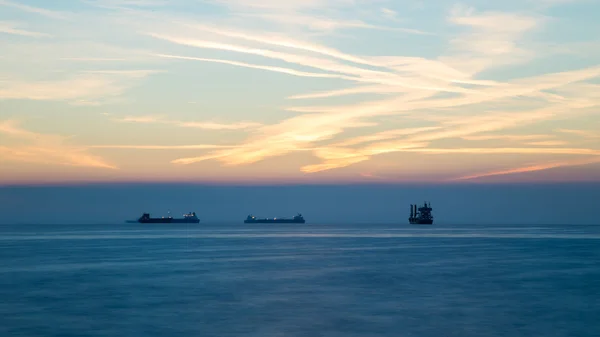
{"x": 299, "y": 280}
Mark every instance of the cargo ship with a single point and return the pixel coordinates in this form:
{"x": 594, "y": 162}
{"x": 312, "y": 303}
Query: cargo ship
{"x": 187, "y": 218}
{"x": 296, "y": 219}
{"x": 421, "y": 215}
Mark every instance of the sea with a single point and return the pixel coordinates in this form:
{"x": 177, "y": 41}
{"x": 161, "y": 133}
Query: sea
{"x": 330, "y": 280}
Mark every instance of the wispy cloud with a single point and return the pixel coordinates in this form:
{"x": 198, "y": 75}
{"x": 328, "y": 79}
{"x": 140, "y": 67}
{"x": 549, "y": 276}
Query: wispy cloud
{"x": 510, "y": 150}
{"x": 493, "y": 39}
{"x": 581, "y": 133}
{"x": 32, "y": 9}
{"x": 385, "y": 135}
{"x": 220, "y": 126}
{"x": 47, "y": 149}
{"x": 247, "y": 65}
{"x": 323, "y": 24}
{"x": 280, "y": 40}
{"x": 548, "y": 143}
{"x": 466, "y": 89}
{"x": 388, "y": 13}
{"x": 551, "y": 3}
{"x": 380, "y": 89}
{"x": 159, "y": 147}
{"x": 339, "y": 157}
{"x": 313, "y": 62}
{"x": 531, "y": 168}
{"x": 335, "y": 69}
{"x": 124, "y": 3}
{"x": 83, "y": 87}
{"x": 274, "y": 4}
{"x": 299, "y": 133}
{"x": 11, "y": 28}
{"x": 506, "y": 137}
{"x": 417, "y": 140}
{"x": 197, "y": 125}
{"x": 413, "y": 82}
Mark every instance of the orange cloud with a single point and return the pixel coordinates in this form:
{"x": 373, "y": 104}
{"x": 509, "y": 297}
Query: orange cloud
{"x": 531, "y": 168}
{"x": 197, "y": 125}
{"x": 38, "y": 148}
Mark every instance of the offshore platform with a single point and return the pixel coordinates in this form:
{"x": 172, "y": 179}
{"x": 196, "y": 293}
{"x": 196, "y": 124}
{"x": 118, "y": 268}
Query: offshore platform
{"x": 421, "y": 216}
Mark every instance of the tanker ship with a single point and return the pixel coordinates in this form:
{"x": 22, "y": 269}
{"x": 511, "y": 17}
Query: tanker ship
{"x": 296, "y": 219}
{"x": 187, "y": 218}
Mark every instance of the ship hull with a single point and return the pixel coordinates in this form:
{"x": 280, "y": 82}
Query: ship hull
{"x": 185, "y": 221}
{"x": 155, "y": 221}
{"x": 274, "y": 221}
{"x": 420, "y": 221}
{"x": 167, "y": 220}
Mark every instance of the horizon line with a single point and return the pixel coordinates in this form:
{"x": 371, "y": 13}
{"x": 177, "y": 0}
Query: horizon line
{"x": 291, "y": 184}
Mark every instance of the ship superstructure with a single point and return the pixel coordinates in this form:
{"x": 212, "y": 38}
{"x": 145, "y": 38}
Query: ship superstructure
{"x": 421, "y": 215}
{"x": 296, "y": 219}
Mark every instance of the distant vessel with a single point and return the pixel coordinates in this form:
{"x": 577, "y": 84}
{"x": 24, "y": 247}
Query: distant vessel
{"x": 422, "y": 216}
{"x": 296, "y": 219}
{"x": 187, "y": 218}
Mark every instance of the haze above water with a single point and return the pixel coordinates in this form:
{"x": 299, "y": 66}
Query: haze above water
{"x": 364, "y": 204}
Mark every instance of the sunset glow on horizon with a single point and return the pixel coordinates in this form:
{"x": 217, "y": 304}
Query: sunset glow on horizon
{"x": 311, "y": 91}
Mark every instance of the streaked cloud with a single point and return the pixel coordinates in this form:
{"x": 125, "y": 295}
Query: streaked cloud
{"x": 582, "y": 133}
{"x": 280, "y": 40}
{"x": 324, "y": 24}
{"x": 134, "y": 3}
{"x": 511, "y": 150}
{"x": 247, "y": 65}
{"x": 549, "y": 143}
{"x": 33, "y": 9}
{"x": 507, "y": 137}
{"x": 531, "y": 168}
{"x": 288, "y": 6}
{"x": 493, "y": 40}
{"x": 81, "y": 87}
{"x": 158, "y": 147}
{"x": 339, "y": 157}
{"x": 327, "y": 84}
{"x": 197, "y": 125}
{"x": 8, "y": 27}
{"x": 45, "y": 149}
{"x": 388, "y": 13}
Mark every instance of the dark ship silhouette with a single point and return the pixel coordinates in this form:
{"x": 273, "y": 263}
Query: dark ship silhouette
{"x": 187, "y": 218}
{"x": 422, "y": 216}
{"x": 296, "y": 219}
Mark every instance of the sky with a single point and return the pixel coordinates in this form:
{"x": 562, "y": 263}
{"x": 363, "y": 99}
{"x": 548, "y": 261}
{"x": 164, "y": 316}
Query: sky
{"x": 299, "y": 91}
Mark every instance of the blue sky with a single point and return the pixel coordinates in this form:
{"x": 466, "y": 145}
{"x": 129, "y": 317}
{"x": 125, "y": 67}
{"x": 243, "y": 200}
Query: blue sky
{"x": 299, "y": 91}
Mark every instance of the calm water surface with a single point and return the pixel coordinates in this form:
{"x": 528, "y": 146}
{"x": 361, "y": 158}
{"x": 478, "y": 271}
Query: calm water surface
{"x": 299, "y": 280}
